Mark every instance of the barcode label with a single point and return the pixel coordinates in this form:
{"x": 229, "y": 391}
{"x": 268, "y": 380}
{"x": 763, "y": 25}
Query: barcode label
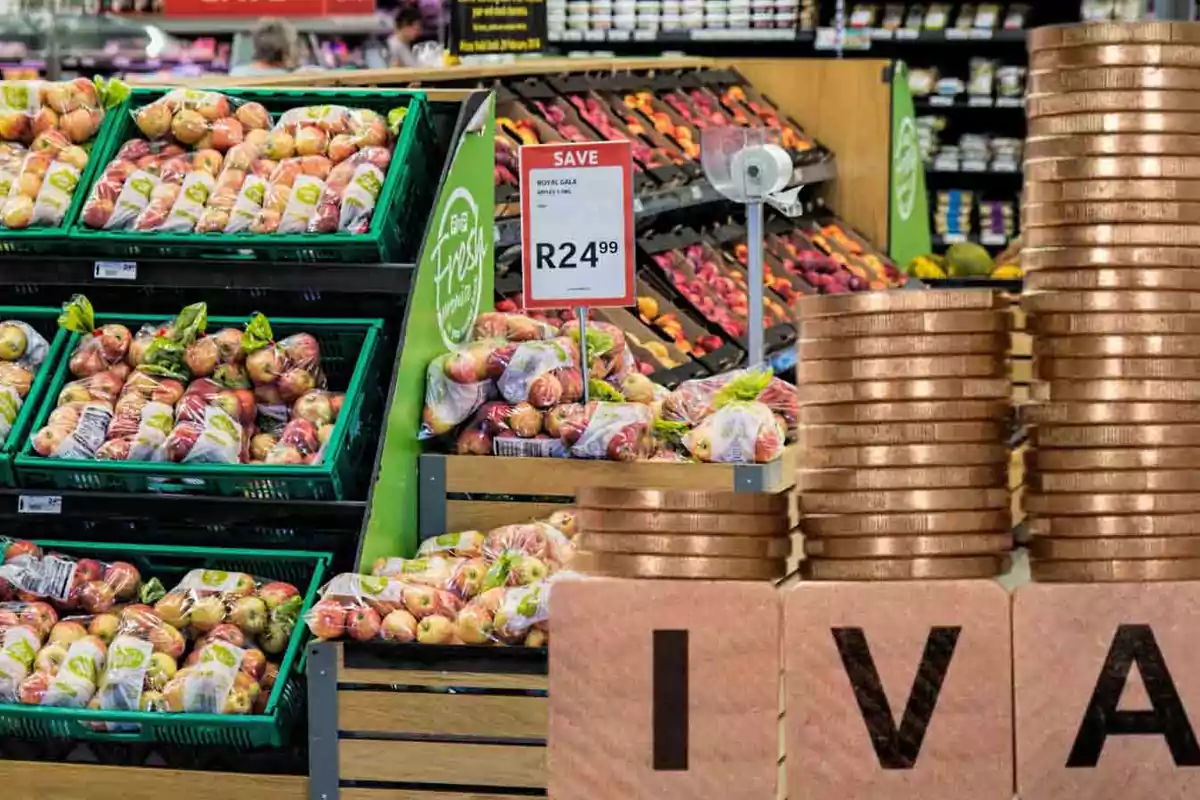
{"x": 49, "y": 577}
{"x": 115, "y": 270}
{"x": 92, "y": 427}
{"x": 39, "y": 504}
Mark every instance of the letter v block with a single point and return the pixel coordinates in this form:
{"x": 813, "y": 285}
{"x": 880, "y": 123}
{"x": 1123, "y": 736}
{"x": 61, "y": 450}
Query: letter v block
{"x": 898, "y": 690}
{"x": 1107, "y": 691}
{"x": 664, "y": 689}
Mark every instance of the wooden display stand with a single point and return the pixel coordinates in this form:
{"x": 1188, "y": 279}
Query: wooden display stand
{"x": 481, "y": 492}
{"x": 36, "y": 780}
{"x": 420, "y": 721}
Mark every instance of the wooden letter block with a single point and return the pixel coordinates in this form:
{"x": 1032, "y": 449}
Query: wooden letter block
{"x": 664, "y": 689}
{"x": 898, "y": 690}
{"x": 1107, "y": 691}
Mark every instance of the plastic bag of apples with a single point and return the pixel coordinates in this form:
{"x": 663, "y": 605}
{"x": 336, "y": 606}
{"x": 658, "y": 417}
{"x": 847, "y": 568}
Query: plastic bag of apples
{"x": 22, "y": 351}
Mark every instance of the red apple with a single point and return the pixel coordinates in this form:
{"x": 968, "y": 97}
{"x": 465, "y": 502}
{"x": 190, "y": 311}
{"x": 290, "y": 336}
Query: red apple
{"x": 123, "y": 578}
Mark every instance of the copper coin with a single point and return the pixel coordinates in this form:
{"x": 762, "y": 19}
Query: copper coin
{"x": 1116, "y": 346}
{"x": 671, "y": 544}
{"x": 1113, "y": 144}
{"x": 1115, "y": 122}
{"x": 1112, "y": 167}
{"x": 905, "y": 455}
{"x": 1104, "y": 301}
{"x": 902, "y": 433}
{"x": 1092, "y": 278}
{"x": 1116, "y": 435}
{"x": 1048, "y": 215}
{"x": 1057, "y": 104}
{"x": 609, "y": 521}
{"x": 1171, "y": 480}
{"x": 911, "y": 524}
{"x": 892, "y": 346}
{"x": 1080, "y": 549}
{"x": 1052, "y": 369}
{"x": 682, "y": 500}
{"x": 1101, "y": 504}
{"x": 906, "y": 324}
{"x": 839, "y": 305}
{"x": 1098, "y": 191}
{"x": 1116, "y": 571}
{"x": 908, "y": 546}
{"x": 893, "y": 369}
{"x": 1132, "y": 525}
{"x": 928, "y": 411}
{"x": 1113, "y": 236}
{"x": 1096, "y": 33}
{"x": 1108, "y": 413}
{"x": 908, "y": 500}
{"x": 1117, "y": 391}
{"x": 847, "y": 480}
{"x": 695, "y": 567}
{"x": 1108, "y": 459}
{"x": 902, "y": 569}
{"x": 889, "y": 391}
{"x": 1116, "y": 55}
{"x": 1109, "y": 324}
{"x": 1114, "y": 79}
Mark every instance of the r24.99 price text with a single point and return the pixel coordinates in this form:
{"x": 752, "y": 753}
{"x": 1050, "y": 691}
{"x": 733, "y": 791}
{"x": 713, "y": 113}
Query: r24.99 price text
{"x": 568, "y": 255}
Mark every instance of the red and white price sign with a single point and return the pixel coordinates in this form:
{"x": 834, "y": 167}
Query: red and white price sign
{"x": 577, "y": 225}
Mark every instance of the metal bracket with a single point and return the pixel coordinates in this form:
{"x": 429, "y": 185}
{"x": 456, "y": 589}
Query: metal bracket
{"x": 322, "y": 721}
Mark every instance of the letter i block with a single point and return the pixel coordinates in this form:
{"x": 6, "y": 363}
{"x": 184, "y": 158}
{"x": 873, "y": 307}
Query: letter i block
{"x": 664, "y": 689}
{"x": 898, "y": 690}
{"x": 1107, "y": 691}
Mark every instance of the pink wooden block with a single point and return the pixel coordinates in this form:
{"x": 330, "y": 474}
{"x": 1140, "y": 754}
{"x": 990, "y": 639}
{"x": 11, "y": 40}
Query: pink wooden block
{"x": 638, "y": 712}
{"x": 1107, "y": 683}
{"x": 852, "y": 653}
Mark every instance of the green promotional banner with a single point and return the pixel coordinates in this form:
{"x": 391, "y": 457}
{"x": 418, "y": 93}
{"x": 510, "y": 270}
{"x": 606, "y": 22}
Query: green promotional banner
{"x": 908, "y": 216}
{"x": 452, "y": 285}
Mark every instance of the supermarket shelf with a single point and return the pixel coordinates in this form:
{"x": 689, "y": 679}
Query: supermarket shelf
{"x": 976, "y": 168}
{"x": 205, "y": 274}
{"x": 338, "y": 25}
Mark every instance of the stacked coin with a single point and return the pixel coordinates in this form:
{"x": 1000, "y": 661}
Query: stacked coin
{"x": 1112, "y": 259}
{"x": 650, "y": 533}
{"x": 905, "y": 403}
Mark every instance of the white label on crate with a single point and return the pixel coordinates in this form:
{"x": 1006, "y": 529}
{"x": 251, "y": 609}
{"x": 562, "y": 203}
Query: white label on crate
{"x": 980, "y": 101}
{"x": 941, "y": 100}
{"x": 115, "y": 270}
{"x": 907, "y": 33}
{"x": 1009, "y": 102}
{"x": 993, "y": 239}
{"x": 954, "y": 238}
{"x": 39, "y": 504}
{"x": 974, "y": 165}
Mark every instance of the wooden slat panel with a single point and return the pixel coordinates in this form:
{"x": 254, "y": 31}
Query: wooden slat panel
{"x": 547, "y": 476}
{"x": 406, "y": 794}
{"x": 447, "y": 714}
{"x": 28, "y": 780}
{"x": 439, "y": 762}
{"x": 482, "y": 515}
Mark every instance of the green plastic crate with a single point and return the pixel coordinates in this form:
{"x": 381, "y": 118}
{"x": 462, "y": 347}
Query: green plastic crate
{"x": 303, "y": 569}
{"x": 48, "y": 239}
{"x": 351, "y": 357}
{"x": 45, "y": 322}
{"x": 395, "y": 225}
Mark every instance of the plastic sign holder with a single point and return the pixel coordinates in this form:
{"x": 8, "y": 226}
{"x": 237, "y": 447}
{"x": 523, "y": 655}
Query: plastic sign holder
{"x": 577, "y": 229}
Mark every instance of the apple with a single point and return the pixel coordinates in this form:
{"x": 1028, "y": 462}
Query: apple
{"x": 249, "y": 614}
{"x": 64, "y": 633}
{"x": 279, "y": 145}
{"x": 253, "y": 116}
{"x": 419, "y": 600}
{"x": 474, "y": 625}
{"x": 270, "y": 674}
{"x": 202, "y": 356}
{"x": 399, "y": 626}
{"x": 254, "y": 663}
{"x": 435, "y": 630}
{"x": 226, "y": 632}
{"x": 39, "y": 616}
{"x": 20, "y": 551}
{"x": 490, "y": 599}
{"x": 162, "y": 668}
{"x": 527, "y": 569}
{"x": 97, "y": 597}
{"x": 537, "y": 638}
{"x": 139, "y": 620}
{"x": 276, "y": 593}
{"x": 362, "y": 624}
{"x": 294, "y": 383}
{"x": 104, "y": 627}
{"x": 50, "y": 658}
{"x": 87, "y": 569}
{"x": 315, "y": 407}
{"x": 275, "y": 639}
{"x": 167, "y": 639}
{"x": 33, "y": 688}
{"x": 208, "y": 613}
{"x": 175, "y": 608}
{"x": 154, "y": 120}
{"x": 238, "y": 701}
{"x": 123, "y": 578}
{"x": 265, "y": 365}
{"x": 188, "y": 126}
{"x": 326, "y": 620}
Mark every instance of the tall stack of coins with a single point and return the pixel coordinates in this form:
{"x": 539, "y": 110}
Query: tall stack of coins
{"x": 1112, "y": 259}
{"x": 905, "y": 404}
{"x": 651, "y": 533}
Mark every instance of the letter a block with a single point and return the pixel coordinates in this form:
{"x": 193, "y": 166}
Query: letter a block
{"x": 898, "y": 690}
{"x": 664, "y": 689}
{"x": 1107, "y": 691}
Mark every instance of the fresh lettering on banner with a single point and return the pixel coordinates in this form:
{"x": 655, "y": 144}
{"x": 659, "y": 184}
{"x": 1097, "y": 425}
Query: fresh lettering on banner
{"x": 577, "y": 225}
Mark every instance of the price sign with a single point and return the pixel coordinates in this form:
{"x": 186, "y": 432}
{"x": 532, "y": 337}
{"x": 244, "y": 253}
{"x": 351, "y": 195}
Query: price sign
{"x": 577, "y": 225}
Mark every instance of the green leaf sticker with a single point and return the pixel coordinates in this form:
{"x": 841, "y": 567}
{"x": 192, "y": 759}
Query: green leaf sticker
{"x": 395, "y": 119}
{"x": 373, "y": 585}
{"x": 369, "y": 182}
{"x": 22, "y": 651}
{"x": 747, "y": 386}
{"x": 309, "y": 193}
{"x": 599, "y": 390}
{"x": 83, "y": 667}
{"x": 152, "y": 591}
{"x": 258, "y": 334}
{"x": 213, "y": 577}
{"x": 142, "y": 186}
{"x": 256, "y": 192}
{"x": 223, "y": 423}
{"x": 64, "y": 179}
{"x": 126, "y": 658}
{"x": 16, "y": 94}
{"x": 77, "y": 315}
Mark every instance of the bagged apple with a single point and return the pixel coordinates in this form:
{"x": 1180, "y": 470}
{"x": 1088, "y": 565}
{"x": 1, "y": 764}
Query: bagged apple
{"x": 75, "y": 682}
{"x": 202, "y": 119}
{"x": 465, "y": 544}
{"x": 740, "y": 432}
{"x": 54, "y": 197}
{"x": 306, "y": 192}
{"x": 248, "y": 205}
{"x": 522, "y": 610}
{"x": 463, "y": 576}
{"x": 99, "y": 349}
{"x": 208, "y": 602}
{"x": 22, "y": 351}
{"x": 613, "y": 431}
{"x": 299, "y": 443}
{"x": 695, "y": 400}
{"x": 529, "y": 371}
{"x": 608, "y": 357}
{"x": 359, "y": 199}
{"x": 366, "y": 607}
{"x": 215, "y": 685}
{"x": 501, "y": 326}
{"x": 19, "y": 645}
{"x": 449, "y": 402}
{"x": 281, "y": 371}
{"x": 189, "y": 205}
{"x": 78, "y": 440}
{"x": 539, "y": 540}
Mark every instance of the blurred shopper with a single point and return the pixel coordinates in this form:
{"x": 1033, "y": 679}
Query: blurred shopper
{"x": 408, "y": 29}
{"x": 276, "y": 49}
